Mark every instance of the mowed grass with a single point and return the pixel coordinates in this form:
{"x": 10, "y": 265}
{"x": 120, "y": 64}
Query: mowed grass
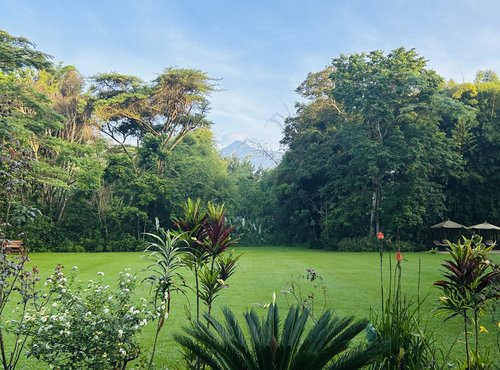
{"x": 352, "y": 281}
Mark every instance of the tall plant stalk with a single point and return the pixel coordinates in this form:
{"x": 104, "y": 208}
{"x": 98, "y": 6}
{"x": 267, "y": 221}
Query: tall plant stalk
{"x": 380, "y": 237}
{"x": 165, "y": 278}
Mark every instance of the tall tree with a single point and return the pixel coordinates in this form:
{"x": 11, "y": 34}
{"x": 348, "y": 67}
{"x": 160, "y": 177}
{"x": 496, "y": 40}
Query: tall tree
{"x": 170, "y": 107}
{"x": 479, "y": 144}
{"x": 392, "y": 98}
{"x": 366, "y": 151}
{"x": 18, "y": 52}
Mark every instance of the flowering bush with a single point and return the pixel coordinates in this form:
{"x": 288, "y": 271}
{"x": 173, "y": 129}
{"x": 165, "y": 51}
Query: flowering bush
{"x": 86, "y": 327}
{"x": 18, "y": 286}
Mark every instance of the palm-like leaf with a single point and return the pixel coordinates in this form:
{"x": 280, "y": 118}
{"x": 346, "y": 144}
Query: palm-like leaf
{"x": 326, "y": 346}
{"x": 166, "y": 259}
{"x": 467, "y": 284}
{"x": 164, "y": 277}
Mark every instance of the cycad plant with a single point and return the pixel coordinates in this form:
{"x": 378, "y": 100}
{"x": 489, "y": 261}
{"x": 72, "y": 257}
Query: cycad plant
{"x": 469, "y": 283}
{"x": 224, "y": 346}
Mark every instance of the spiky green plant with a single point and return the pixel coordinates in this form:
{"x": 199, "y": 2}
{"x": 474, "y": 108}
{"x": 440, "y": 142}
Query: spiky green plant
{"x": 224, "y": 346}
{"x": 191, "y": 229}
{"x": 470, "y": 282}
{"x": 410, "y": 345}
{"x": 165, "y": 254}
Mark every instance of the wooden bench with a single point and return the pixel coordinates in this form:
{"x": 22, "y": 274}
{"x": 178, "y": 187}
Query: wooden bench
{"x": 12, "y": 246}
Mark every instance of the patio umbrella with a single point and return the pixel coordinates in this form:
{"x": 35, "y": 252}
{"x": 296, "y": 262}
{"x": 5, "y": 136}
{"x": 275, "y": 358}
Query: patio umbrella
{"x": 448, "y": 224}
{"x": 453, "y": 228}
{"x": 485, "y": 226}
{"x": 490, "y": 234}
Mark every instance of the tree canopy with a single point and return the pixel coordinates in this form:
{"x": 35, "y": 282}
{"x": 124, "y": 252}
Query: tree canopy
{"x": 379, "y": 142}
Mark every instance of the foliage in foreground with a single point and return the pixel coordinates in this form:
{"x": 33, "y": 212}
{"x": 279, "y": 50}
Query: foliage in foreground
{"x": 411, "y": 345}
{"x": 470, "y": 282}
{"x": 164, "y": 276}
{"x": 91, "y": 327}
{"x": 325, "y": 346}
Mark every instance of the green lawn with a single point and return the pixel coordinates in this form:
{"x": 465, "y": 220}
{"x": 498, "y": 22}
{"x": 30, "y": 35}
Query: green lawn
{"x": 352, "y": 280}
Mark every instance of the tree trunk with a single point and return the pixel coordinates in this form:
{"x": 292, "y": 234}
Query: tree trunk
{"x": 374, "y": 217}
{"x": 466, "y": 342}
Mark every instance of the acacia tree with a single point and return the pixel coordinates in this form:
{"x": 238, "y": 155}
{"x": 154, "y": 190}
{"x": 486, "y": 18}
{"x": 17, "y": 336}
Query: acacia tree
{"x": 168, "y": 108}
{"x": 25, "y": 117}
{"x": 18, "y": 53}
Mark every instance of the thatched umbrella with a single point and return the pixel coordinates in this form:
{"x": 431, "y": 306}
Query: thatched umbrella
{"x": 489, "y": 231}
{"x": 448, "y": 224}
{"x": 485, "y": 226}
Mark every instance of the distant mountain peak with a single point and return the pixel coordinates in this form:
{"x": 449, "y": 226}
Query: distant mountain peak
{"x": 259, "y": 158}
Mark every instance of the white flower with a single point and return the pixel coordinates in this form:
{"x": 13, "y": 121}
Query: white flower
{"x": 74, "y": 268}
{"x": 100, "y": 273}
{"x": 123, "y": 352}
{"x": 106, "y": 310}
{"x": 120, "y": 333}
{"x": 143, "y": 322}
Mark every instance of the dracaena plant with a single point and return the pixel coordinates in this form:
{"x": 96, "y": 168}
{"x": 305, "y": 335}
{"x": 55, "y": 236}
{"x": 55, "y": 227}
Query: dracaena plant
{"x": 208, "y": 236}
{"x": 190, "y": 228}
{"x": 470, "y": 281}
{"x": 221, "y": 264}
{"x": 165, "y": 254}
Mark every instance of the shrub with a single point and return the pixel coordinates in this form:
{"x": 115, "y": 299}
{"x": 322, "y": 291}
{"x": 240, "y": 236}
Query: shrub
{"x": 19, "y": 285}
{"x": 249, "y": 232}
{"x": 370, "y": 244}
{"x": 127, "y": 243}
{"x": 91, "y": 327}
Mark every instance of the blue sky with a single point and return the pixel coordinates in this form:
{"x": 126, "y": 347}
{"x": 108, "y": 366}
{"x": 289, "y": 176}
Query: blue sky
{"x": 261, "y": 50}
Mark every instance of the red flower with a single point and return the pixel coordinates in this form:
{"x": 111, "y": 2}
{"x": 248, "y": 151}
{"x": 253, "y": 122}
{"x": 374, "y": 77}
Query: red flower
{"x": 380, "y": 235}
{"x": 399, "y": 257}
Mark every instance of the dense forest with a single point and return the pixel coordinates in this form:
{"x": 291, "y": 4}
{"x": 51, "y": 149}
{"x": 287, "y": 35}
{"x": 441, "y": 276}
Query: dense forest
{"x": 378, "y": 142}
